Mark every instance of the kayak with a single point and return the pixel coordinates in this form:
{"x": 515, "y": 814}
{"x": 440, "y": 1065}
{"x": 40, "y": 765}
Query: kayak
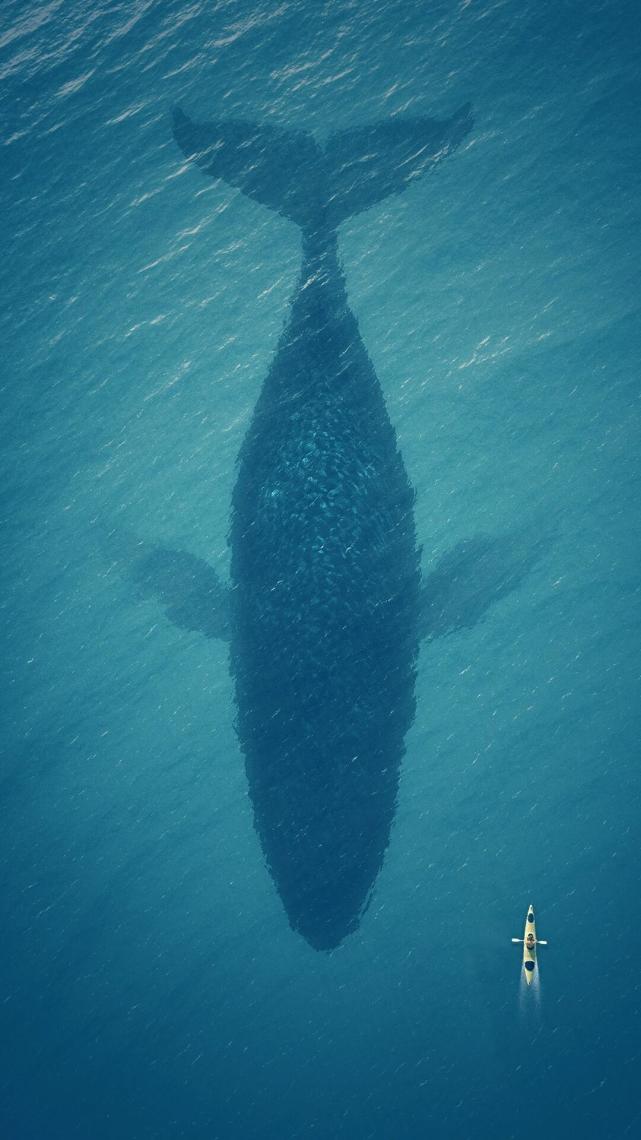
{"x": 530, "y": 943}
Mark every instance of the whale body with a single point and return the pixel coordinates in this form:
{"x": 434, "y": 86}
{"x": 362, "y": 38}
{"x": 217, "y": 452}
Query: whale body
{"x": 324, "y": 617}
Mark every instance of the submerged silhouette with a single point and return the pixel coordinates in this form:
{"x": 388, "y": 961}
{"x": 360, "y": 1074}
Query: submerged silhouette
{"x": 324, "y": 609}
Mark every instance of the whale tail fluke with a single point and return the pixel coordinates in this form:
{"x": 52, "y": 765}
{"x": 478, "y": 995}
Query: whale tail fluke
{"x": 289, "y": 172}
{"x": 270, "y": 165}
{"x": 367, "y": 164}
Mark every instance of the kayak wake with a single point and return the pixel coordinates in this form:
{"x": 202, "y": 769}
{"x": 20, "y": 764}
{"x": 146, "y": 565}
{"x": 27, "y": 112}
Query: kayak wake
{"x": 530, "y": 996}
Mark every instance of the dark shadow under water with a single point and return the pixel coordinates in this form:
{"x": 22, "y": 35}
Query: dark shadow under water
{"x": 325, "y": 609}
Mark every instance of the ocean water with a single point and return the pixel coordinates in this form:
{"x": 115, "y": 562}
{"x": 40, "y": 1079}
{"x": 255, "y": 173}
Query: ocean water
{"x": 150, "y": 985}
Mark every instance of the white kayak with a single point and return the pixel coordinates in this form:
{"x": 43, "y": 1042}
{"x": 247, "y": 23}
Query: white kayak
{"x": 530, "y": 943}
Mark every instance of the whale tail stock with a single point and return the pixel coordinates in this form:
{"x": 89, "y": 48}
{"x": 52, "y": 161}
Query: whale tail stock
{"x": 289, "y": 172}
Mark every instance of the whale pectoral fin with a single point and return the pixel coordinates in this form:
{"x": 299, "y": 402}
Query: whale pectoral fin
{"x": 193, "y": 595}
{"x": 471, "y": 577}
{"x": 271, "y": 165}
{"x": 366, "y": 164}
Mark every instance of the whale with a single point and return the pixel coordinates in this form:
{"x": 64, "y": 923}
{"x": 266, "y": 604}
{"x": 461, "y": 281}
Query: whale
{"x": 326, "y": 607}
{"x": 325, "y": 572}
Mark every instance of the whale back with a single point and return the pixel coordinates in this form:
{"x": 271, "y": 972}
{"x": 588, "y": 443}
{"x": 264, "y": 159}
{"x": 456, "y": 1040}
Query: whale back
{"x": 325, "y": 577}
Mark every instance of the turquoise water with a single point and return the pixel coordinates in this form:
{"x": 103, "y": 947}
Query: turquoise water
{"x": 150, "y": 984}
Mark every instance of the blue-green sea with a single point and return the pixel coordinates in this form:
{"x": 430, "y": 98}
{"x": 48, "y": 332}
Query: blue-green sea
{"x": 151, "y": 987}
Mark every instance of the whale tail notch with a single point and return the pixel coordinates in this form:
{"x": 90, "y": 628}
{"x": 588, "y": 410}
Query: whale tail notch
{"x": 289, "y": 172}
